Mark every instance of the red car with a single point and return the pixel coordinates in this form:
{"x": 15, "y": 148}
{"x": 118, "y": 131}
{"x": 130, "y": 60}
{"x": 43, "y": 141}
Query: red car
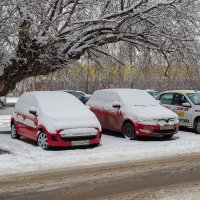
{"x": 54, "y": 119}
{"x": 133, "y": 112}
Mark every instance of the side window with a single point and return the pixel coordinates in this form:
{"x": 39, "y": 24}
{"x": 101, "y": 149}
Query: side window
{"x": 166, "y": 98}
{"x": 179, "y": 99}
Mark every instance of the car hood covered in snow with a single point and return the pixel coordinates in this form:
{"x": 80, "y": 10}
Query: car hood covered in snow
{"x": 150, "y": 113}
{"x": 54, "y": 123}
{"x": 59, "y": 110}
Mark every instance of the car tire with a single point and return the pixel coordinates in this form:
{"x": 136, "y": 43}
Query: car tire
{"x": 167, "y": 136}
{"x": 42, "y": 141}
{"x": 129, "y": 131}
{"x": 197, "y": 126}
{"x": 95, "y": 145}
{"x": 14, "y": 133}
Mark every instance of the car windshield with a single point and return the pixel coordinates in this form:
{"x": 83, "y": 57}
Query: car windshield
{"x": 195, "y": 98}
{"x": 137, "y": 98}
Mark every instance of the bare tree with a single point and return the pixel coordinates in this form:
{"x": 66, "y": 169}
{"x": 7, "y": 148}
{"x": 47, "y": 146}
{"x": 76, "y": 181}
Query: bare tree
{"x": 38, "y": 37}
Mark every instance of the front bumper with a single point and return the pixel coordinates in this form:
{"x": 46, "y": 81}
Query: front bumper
{"x": 155, "y": 131}
{"x": 57, "y": 140}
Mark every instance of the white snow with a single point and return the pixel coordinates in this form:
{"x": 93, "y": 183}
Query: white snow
{"x": 26, "y": 156}
{"x": 5, "y": 123}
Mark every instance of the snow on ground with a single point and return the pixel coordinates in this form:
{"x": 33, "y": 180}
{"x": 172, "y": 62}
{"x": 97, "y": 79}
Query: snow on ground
{"x": 5, "y": 116}
{"x": 26, "y": 156}
{"x": 5, "y": 123}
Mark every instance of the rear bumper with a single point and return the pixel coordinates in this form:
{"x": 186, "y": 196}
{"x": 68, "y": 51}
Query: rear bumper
{"x": 57, "y": 140}
{"x": 154, "y": 131}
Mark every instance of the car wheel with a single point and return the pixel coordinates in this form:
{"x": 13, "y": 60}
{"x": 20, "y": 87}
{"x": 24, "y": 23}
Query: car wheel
{"x": 129, "y": 131}
{"x": 14, "y": 133}
{"x": 197, "y": 126}
{"x": 167, "y": 136}
{"x": 42, "y": 140}
{"x": 95, "y": 145}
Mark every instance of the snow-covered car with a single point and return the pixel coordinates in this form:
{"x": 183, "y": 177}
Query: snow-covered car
{"x": 64, "y": 123}
{"x": 133, "y": 112}
{"x": 2, "y": 101}
{"x": 186, "y": 103}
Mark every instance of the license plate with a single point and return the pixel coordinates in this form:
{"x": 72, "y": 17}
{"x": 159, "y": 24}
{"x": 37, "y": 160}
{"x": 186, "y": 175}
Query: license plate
{"x": 167, "y": 127}
{"x": 80, "y": 143}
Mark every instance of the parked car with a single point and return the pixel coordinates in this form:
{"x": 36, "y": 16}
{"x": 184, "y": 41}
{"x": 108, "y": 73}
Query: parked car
{"x": 153, "y": 93}
{"x": 2, "y": 101}
{"x": 133, "y": 112}
{"x": 82, "y": 96}
{"x": 85, "y": 94}
{"x": 64, "y": 123}
{"x": 186, "y": 103}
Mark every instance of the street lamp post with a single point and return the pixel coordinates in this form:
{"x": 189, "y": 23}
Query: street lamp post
{"x": 131, "y": 64}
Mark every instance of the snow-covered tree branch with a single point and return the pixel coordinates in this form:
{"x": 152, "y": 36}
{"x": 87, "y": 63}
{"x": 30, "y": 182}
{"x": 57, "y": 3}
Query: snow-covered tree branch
{"x": 38, "y": 37}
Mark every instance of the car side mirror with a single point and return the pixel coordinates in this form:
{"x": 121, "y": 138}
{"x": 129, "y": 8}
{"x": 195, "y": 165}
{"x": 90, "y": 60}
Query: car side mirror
{"x": 33, "y": 111}
{"x": 186, "y": 104}
{"x": 116, "y": 105}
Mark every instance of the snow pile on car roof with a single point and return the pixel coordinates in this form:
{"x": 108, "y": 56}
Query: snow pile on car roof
{"x": 135, "y": 97}
{"x": 126, "y": 96}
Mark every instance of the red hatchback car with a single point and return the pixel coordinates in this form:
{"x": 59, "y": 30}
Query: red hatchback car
{"x": 133, "y": 112}
{"x": 54, "y": 119}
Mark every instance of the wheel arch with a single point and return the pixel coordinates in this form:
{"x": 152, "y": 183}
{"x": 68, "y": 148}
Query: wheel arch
{"x": 40, "y": 129}
{"x": 195, "y": 120}
{"x": 128, "y": 121}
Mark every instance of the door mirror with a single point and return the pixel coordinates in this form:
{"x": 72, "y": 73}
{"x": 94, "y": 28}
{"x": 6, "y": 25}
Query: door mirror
{"x": 186, "y": 104}
{"x": 116, "y": 105}
{"x": 33, "y": 111}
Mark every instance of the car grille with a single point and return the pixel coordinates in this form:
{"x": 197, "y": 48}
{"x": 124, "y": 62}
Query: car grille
{"x": 165, "y": 131}
{"x": 78, "y": 138}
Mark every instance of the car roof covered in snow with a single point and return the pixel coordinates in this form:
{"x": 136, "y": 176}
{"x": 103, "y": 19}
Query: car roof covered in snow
{"x": 40, "y": 95}
{"x": 49, "y": 101}
{"x": 128, "y": 96}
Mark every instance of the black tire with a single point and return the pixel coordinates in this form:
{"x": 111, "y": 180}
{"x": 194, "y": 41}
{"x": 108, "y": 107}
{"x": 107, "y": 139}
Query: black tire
{"x": 95, "y": 145}
{"x": 14, "y": 133}
{"x": 42, "y": 141}
{"x": 167, "y": 136}
{"x": 129, "y": 131}
{"x": 197, "y": 126}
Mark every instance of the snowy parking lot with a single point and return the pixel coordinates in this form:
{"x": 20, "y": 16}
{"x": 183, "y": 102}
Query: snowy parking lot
{"x": 25, "y": 156}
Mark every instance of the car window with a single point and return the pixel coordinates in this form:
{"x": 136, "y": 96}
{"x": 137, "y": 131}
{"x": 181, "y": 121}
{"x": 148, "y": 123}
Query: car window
{"x": 77, "y": 95}
{"x": 166, "y": 98}
{"x": 103, "y": 99}
{"x": 179, "y": 99}
{"x": 24, "y": 103}
{"x": 195, "y": 98}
